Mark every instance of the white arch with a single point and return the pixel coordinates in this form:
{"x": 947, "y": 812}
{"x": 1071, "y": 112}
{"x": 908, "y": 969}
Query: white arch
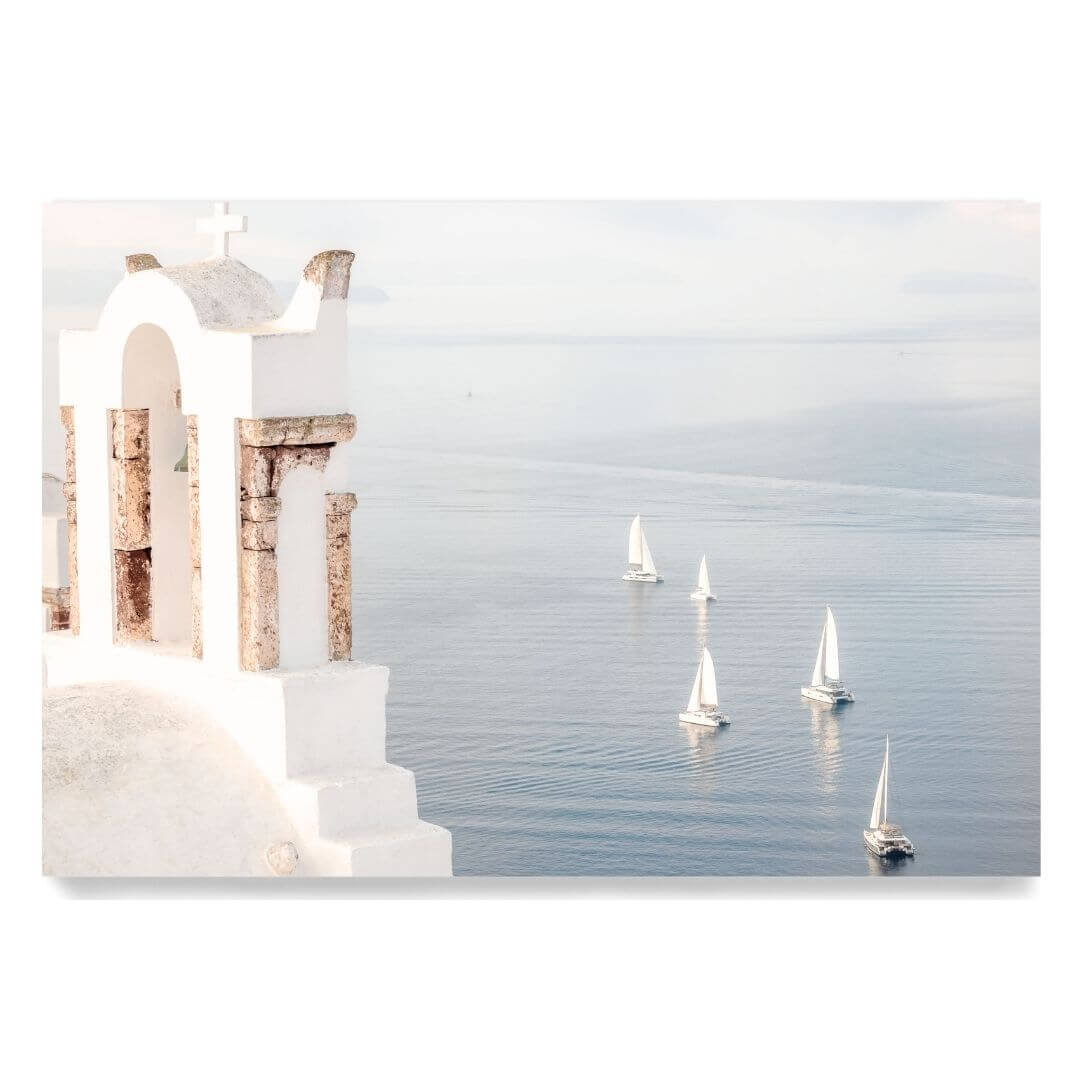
{"x": 214, "y": 371}
{"x": 214, "y": 365}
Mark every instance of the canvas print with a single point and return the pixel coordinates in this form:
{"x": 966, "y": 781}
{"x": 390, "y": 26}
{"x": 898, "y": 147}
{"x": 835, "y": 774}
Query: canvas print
{"x": 423, "y": 539}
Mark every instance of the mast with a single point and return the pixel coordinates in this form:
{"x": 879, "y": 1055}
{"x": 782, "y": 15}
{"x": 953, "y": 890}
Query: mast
{"x": 885, "y": 793}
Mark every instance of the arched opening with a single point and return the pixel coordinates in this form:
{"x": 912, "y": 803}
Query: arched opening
{"x": 151, "y": 381}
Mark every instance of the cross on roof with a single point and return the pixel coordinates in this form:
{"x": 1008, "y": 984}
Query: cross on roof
{"x": 221, "y": 225}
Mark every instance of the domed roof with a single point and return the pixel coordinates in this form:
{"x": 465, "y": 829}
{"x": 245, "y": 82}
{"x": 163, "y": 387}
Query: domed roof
{"x": 136, "y": 782}
{"x": 226, "y": 294}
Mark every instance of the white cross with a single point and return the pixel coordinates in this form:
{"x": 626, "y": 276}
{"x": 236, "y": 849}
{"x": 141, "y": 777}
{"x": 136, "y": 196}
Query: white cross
{"x": 221, "y": 225}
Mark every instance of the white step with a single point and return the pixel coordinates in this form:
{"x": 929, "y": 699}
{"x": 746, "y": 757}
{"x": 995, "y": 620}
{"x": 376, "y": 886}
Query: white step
{"x": 379, "y": 799}
{"x": 424, "y": 850}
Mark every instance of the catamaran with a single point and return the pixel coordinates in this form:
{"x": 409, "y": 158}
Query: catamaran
{"x": 704, "y": 589}
{"x": 883, "y": 838}
{"x": 825, "y": 683}
{"x": 642, "y": 567}
{"x": 702, "y": 707}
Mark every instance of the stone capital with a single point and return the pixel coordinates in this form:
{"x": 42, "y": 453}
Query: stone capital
{"x": 298, "y": 430}
{"x": 340, "y": 503}
{"x": 131, "y": 433}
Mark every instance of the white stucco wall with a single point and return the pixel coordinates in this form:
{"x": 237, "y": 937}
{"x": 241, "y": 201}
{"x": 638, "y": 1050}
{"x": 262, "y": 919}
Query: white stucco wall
{"x": 302, "y": 374}
{"x": 219, "y": 510}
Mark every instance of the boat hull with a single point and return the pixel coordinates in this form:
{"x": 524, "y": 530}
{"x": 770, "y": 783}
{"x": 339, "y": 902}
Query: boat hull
{"x": 888, "y": 845}
{"x": 705, "y": 719}
{"x": 638, "y": 575}
{"x": 827, "y": 695}
{"x": 697, "y": 594}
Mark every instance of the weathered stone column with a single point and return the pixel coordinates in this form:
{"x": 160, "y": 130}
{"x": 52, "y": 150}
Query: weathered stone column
{"x": 67, "y": 418}
{"x": 130, "y": 482}
{"x": 339, "y": 508}
{"x": 194, "y": 534}
{"x": 259, "y": 642}
{"x": 269, "y": 449}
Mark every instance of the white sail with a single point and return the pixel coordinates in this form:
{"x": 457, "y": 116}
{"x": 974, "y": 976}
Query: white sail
{"x": 634, "y": 555}
{"x": 885, "y": 791}
{"x": 647, "y": 564}
{"x": 703, "y": 578}
{"x": 881, "y": 797}
{"x": 818, "y": 678}
{"x": 708, "y": 680}
{"x": 832, "y": 648}
{"x": 694, "y": 704}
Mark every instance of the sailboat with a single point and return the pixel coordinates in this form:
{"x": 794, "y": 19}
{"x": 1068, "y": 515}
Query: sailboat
{"x": 884, "y": 838}
{"x": 702, "y": 708}
{"x": 642, "y": 567}
{"x": 704, "y": 589}
{"x": 825, "y": 683}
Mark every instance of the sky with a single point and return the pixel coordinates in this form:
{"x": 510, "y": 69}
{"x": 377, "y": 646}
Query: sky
{"x": 908, "y": 276}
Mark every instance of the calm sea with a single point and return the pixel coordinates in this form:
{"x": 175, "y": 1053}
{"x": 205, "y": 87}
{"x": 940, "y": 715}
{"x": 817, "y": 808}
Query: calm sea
{"x": 536, "y": 694}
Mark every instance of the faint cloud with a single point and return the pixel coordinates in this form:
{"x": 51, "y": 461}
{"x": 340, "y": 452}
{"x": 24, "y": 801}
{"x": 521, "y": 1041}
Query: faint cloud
{"x": 848, "y": 213}
{"x": 1020, "y": 216}
{"x": 697, "y": 219}
{"x": 954, "y": 282}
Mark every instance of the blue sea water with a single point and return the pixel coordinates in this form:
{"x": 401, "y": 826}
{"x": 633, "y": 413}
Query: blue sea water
{"x": 536, "y": 694}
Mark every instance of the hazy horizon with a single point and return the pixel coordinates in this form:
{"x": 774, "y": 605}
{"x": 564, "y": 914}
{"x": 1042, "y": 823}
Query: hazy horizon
{"x": 567, "y": 322}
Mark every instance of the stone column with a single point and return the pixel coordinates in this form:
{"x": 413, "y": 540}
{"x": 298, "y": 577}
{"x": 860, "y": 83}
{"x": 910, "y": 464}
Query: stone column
{"x": 339, "y": 574}
{"x": 259, "y": 642}
{"x": 269, "y": 449}
{"x": 130, "y": 483}
{"x": 194, "y": 534}
{"x": 67, "y": 418}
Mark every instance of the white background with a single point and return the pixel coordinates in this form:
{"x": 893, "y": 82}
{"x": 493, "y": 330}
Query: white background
{"x": 565, "y": 978}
